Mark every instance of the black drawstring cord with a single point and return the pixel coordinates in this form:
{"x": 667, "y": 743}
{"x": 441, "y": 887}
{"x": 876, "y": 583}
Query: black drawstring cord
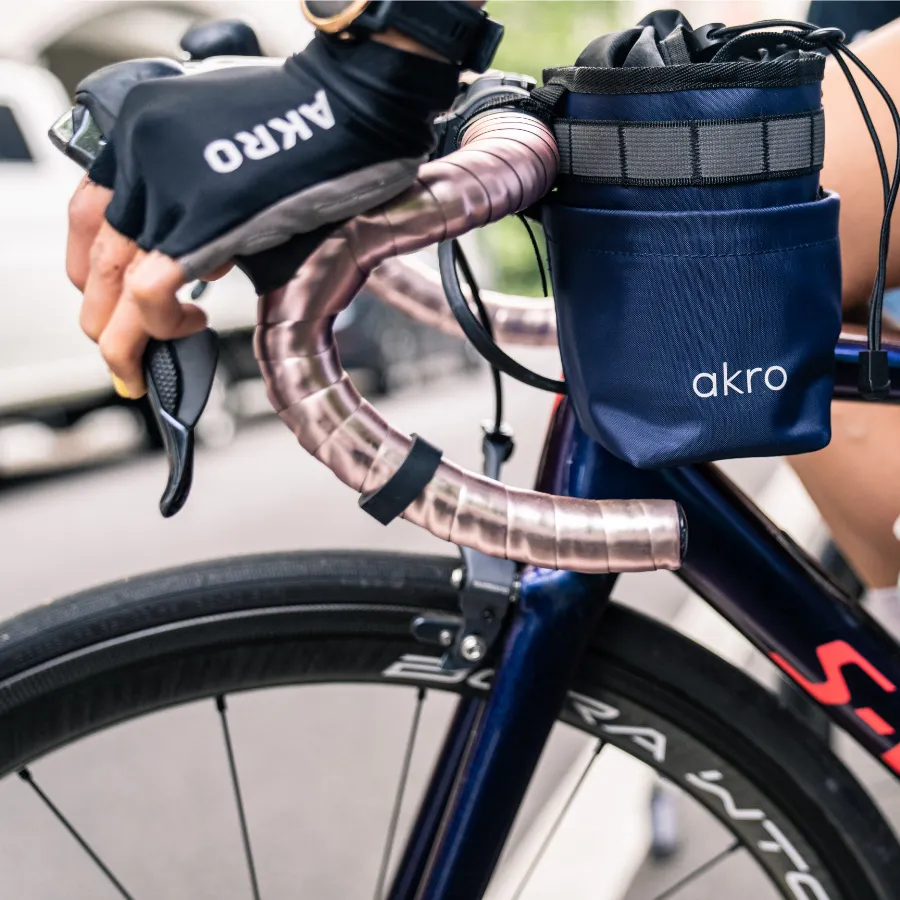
{"x": 874, "y": 370}
{"x": 878, "y": 382}
{"x": 805, "y": 27}
{"x": 870, "y": 126}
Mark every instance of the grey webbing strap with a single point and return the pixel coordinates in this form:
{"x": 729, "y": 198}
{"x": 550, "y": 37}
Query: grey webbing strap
{"x": 662, "y": 154}
{"x": 674, "y": 49}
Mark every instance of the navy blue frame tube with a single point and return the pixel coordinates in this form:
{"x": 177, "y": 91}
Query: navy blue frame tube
{"x": 437, "y": 795}
{"x": 555, "y": 614}
{"x": 737, "y": 560}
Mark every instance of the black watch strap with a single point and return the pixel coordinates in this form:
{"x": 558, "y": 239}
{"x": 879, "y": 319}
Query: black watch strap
{"x": 454, "y": 29}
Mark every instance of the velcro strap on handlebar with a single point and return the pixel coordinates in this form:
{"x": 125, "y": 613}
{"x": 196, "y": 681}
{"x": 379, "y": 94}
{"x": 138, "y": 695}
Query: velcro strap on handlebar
{"x": 405, "y": 485}
{"x": 710, "y": 152}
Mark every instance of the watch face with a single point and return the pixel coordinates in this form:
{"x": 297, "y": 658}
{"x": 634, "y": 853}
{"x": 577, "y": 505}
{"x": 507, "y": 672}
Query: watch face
{"x": 333, "y": 15}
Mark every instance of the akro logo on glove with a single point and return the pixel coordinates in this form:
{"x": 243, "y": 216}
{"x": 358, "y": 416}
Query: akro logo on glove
{"x": 706, "y": 384}
{"x": 224, "y": 156}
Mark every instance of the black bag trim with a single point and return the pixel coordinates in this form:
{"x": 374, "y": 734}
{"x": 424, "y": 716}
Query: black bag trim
{"x": 405, "y": 485}
{"x": 662, "y": 79}
{"x": 691, "y": 152}
{"x": 542, "y": 102}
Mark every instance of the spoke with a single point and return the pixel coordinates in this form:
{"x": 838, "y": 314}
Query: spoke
{"x": 699, "y": 872}
{"x": 557, "y": 822}
{"x": 28, "y": 778}
{"x": 398, "y": 798}
{"x": 238, "y": 799}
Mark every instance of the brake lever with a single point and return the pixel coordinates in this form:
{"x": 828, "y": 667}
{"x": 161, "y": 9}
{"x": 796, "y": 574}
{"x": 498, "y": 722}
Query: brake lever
{"x": 179, "y": 373}
{"x": 179, "y": 376}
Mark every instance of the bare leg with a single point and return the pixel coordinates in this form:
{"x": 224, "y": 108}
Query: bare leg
{"x": 856, "y": 480}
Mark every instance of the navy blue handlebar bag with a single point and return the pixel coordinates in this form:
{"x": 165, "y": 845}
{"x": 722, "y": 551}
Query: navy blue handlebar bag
{"x": 694, "y": 256}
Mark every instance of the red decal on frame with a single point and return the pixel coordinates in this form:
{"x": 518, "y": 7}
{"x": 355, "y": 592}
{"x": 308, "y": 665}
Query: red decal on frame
{"x": 892, "y": 758}
{"x": 874, "y": 721}
{"x": 833, "y": 691}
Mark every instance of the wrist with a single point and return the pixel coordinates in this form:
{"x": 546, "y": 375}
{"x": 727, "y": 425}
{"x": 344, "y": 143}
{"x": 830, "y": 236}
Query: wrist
{"x": 394, "y": 93}
{"x": 453, "y": 31}
{"x": 400, "y": 41}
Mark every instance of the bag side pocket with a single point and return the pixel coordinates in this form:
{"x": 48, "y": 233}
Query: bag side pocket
{"x": 692, "y": 336}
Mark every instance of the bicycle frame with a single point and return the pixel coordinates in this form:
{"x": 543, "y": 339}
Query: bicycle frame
{"x": 738, "y": 561}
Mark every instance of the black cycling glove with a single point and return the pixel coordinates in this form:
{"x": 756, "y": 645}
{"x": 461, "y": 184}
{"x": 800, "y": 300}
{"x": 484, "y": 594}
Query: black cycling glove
{"x": 210, "y": 167}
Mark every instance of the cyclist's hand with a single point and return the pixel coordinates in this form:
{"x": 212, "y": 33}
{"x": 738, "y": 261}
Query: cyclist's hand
{"x": 206, "y": 169}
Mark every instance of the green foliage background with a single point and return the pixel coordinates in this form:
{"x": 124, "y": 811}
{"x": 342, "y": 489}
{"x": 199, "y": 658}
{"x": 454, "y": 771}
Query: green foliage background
{"x": 543, "y": 33}
{"x": 539, "y": 34}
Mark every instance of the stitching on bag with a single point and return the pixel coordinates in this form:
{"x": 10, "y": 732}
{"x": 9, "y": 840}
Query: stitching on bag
{"x": 623, "y": 152}
{"x": 706, "y": 181}
{"x": 812, "y": 143}
{"x": 705, "y": 255}
{"x": 696, "y": 173}
{"x": 681, "y": 123}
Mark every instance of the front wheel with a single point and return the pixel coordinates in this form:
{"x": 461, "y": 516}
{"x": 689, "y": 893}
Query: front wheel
{"x": 196, "y": 635}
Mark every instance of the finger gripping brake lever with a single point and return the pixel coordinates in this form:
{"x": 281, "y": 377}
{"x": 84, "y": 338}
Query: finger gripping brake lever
{"x": 179, "y": 376}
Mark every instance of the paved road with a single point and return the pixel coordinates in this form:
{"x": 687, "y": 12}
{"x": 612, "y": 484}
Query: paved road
{"x": 318, "y": 765}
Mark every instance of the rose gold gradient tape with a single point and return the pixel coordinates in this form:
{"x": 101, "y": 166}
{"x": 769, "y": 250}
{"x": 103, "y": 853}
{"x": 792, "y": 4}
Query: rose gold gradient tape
{"x": 415, "y": 289}
{"x": 507, "y": 162}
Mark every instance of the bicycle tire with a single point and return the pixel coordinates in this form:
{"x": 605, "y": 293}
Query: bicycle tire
{"x": 148, "y": 643}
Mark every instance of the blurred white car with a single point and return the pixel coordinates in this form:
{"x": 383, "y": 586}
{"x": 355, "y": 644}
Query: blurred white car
{"x": 49, "y": 371}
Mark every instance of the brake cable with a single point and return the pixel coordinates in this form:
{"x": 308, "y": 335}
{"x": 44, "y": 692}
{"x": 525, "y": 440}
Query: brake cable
{"x": 485, "y": 583}
{"x": 478, "y": 335}
{"x": 537, "y": 252}
{"x": 469, "y": 275}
